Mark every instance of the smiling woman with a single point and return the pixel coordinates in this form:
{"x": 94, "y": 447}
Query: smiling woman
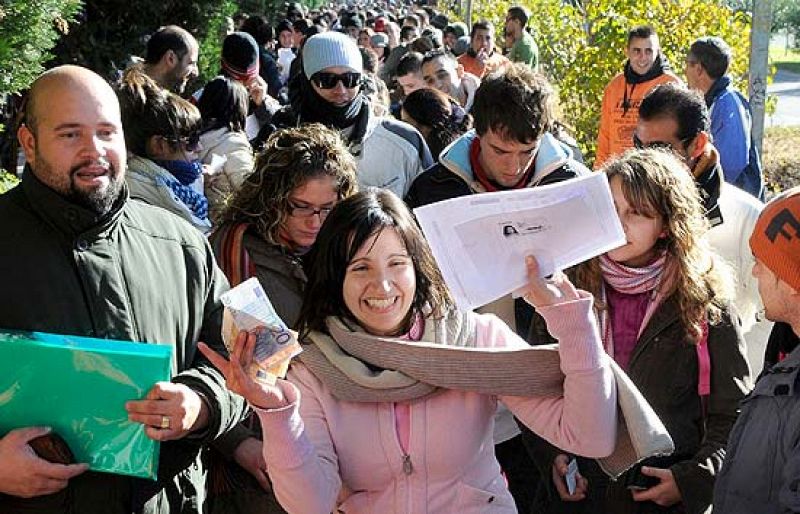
{"x": 364, "y": 421}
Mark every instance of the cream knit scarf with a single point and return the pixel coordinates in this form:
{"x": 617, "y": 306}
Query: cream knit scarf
{"x": 359, "y": 367}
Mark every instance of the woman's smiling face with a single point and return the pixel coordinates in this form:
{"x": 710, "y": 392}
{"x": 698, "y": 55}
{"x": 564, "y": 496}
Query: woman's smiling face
{"x": 380, "y": 283}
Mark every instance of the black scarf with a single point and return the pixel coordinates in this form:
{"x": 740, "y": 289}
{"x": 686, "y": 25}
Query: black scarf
{"x": 782, "y": 342}
{"x": 660, "y": 65}
{"x": 709, "y": 183}
{"x": 312, "y": 108}
{"x": 716, "y": 89}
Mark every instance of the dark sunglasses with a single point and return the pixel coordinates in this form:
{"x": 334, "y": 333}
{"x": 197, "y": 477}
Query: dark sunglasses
{"x": 658, "y": 145}
{"x": 190, "y": 143}
{"x": 325, "y": 80}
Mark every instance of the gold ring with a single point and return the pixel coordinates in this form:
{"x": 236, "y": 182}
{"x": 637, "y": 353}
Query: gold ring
{"x": 164, "y": 422}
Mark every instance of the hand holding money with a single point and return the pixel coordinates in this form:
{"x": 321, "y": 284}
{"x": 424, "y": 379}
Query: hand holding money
{"x": 237, "y": 378}
{"x": 248, "y": 308}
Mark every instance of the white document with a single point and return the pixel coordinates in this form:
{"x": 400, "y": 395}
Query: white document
{"x": 480, "y": 241}
{"x": 285, "y": 58}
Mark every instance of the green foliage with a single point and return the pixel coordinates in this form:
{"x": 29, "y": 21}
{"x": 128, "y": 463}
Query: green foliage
{"x": 786, "y": 16}
{"x": 110, "y": 33}
{"x": 211, "y": 44}
{"x": 28, "y": 30}
{"x": 7, "y": 181}
{"x": 581, "y": 46}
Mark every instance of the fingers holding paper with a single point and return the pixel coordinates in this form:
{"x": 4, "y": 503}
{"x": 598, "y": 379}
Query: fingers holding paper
{"x": 238, "y": 380}
{"x": 169, "y": 411}
{"x": 542, "y": 292}
{"x": 569, "y": 483}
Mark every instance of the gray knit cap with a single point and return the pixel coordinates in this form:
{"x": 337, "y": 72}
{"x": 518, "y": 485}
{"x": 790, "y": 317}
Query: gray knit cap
{"x": 330, "y": 49}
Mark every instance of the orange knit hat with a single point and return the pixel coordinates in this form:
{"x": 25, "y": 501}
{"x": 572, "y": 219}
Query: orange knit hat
{"x": 776, "y": 237}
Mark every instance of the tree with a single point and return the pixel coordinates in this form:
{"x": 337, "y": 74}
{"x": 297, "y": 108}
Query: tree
{"x": 581, "y": 44}
{"x": 109, "y": 33}
{"x": 28, "y": 30}
{"x": 786, "y": 16}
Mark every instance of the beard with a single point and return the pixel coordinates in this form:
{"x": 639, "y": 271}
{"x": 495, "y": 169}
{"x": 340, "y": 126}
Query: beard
{"x": 177, "y": 81}
{"x": 99, "y": 200}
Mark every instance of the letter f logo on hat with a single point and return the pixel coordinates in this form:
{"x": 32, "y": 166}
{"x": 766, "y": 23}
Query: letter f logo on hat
{"x": 778, "y": 225}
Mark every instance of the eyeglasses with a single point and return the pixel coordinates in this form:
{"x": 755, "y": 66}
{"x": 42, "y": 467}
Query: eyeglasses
{"x": 658, "y": 145}
{"x": 325, "y": 80}
{"x": 190, "y": 143}
{"x": 306, "y": 211}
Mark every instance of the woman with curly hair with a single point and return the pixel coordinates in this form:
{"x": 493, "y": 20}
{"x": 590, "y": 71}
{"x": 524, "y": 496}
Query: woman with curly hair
{"x": 270, "y": 222}
{"x": 663, "y": 302}
{"x": 438, "y": 117}
{"x": 273, "y": 218}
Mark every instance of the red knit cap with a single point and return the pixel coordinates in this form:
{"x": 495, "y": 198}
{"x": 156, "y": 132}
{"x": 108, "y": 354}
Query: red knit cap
{"x": 776, "y": 237}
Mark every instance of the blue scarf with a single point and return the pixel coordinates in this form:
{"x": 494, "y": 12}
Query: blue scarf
{"x": 185, "y": 173}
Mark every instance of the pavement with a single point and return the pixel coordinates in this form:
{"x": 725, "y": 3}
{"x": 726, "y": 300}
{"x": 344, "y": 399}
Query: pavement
{"x": 786, "y": 87}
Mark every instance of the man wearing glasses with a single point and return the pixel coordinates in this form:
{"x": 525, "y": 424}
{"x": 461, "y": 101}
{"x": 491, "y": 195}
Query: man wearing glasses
{"x": 731, "y": 123}
{"x": 388, "y": 152}
{"x": 675, "y": 118}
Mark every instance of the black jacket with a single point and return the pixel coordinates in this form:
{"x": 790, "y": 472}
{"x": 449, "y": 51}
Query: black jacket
{"x": 664, "y": 367}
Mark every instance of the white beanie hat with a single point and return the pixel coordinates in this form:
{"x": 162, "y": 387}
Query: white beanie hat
{"x": 330, "y": 49}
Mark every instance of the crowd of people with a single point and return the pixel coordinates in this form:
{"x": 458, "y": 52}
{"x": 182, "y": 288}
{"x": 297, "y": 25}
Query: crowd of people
{"x": 141, "y": 202}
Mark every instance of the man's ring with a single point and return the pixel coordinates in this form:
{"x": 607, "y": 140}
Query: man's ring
{"x": 164, "y": 422}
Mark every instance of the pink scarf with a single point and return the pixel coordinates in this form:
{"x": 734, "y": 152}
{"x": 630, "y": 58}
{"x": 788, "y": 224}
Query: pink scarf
{"x": 629, "y": 280}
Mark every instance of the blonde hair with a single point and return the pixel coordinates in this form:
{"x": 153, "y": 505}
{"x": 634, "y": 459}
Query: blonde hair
{"x": 658, "y": 184}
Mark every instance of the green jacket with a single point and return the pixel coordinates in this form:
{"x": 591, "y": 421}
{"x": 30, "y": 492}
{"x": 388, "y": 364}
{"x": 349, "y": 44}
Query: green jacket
{"x": 525, "y": 51}
{"x": 139, "y": 274}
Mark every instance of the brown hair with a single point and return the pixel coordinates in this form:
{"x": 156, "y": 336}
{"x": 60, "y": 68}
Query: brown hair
{"x": 353, "y": 223}
{"x": 658, "y": 184}
{"x": 516, "y": 103}
{"x": 149, "y": 110}
{"x": 290, "y": 158}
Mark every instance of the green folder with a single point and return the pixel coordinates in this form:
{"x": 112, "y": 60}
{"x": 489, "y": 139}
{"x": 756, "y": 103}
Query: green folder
{"x": 79, "y": 386}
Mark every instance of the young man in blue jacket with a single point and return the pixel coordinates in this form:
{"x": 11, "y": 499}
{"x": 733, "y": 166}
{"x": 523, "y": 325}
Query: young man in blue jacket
{"x": 731, "y": 124}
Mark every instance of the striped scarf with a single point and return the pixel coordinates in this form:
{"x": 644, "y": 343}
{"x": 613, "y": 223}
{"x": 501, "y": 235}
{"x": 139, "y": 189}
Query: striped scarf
{"x": 360, "y": 367}
{"x": 232, "y": 257}
{"x": 629, "y": 280}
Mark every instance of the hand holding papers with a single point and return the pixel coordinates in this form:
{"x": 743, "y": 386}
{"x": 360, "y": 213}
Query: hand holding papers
{"x": 480, "y": 241}
{"x": 79, "y": 386}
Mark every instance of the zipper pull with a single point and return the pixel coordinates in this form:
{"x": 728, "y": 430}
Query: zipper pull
{"x": 408, "y": 467}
